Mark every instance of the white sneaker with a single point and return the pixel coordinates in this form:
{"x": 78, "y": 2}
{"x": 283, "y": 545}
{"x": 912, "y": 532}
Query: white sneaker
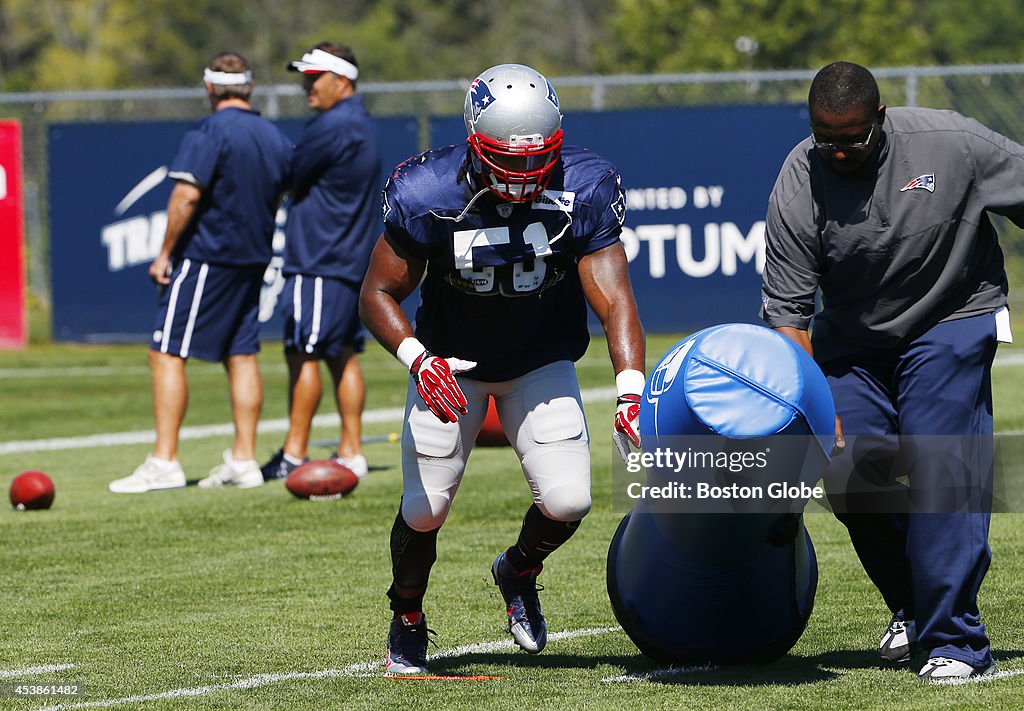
{"x": 149, "y": 476}
{"x": 944, "y": 668}
{"x": 898, "y": 640}
{"x": 357, "y": 464}
{"x": 223, "y": 474}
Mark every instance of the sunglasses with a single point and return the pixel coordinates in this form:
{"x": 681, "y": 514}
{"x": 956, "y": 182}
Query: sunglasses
{"x": 844, "y": 147}
{"x": 310, "y": 78}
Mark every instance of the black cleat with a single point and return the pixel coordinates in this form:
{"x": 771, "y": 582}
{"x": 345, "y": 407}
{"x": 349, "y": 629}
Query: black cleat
{"x": 525, "y": 619}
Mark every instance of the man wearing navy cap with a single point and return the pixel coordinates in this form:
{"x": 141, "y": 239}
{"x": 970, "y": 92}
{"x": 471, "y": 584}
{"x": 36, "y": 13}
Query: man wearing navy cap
{"x": 332, "y": 224}
{"x": 230, "y": 172}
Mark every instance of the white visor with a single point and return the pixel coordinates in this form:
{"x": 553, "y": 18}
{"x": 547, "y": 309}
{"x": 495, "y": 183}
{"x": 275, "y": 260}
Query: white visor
{"x": 321, "y": 61}
{"x": 227, "y": 78}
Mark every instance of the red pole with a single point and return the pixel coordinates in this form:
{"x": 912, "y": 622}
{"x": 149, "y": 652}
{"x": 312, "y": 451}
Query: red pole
{"x": 13, "y": 330}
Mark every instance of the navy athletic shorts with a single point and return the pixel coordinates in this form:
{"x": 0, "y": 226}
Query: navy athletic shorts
{"x": 321, "y": 316}
{"x": 209, "y": 311}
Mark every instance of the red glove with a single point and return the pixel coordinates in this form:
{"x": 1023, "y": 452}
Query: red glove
{"x": 627, "y": 424}
{"x": 435, "y": 381}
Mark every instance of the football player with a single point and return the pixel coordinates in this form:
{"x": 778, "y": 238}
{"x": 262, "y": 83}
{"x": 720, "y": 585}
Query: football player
{"x": 512, "y": 234}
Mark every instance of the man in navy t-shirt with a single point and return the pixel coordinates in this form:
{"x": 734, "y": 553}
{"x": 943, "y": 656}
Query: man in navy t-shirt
{"x": 332, "y": 224}
{"x": 230, "y": 172}
{"x": 513, "y": 235}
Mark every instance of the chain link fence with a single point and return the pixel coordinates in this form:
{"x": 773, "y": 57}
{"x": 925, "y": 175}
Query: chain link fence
{"x": 993, "y": 94}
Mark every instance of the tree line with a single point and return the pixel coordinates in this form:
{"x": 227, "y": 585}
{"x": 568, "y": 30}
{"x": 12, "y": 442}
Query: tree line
{"x": 102, "y": 44}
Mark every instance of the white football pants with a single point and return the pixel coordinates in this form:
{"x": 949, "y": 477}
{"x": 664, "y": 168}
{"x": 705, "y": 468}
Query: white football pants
{"x": 542, "y": 415}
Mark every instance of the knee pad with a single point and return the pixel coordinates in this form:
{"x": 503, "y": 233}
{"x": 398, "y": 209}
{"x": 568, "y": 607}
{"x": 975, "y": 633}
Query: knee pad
{"x": 425, "y": 512}
{"x": 559, "y": 477}
{"x": 565, "y": 503}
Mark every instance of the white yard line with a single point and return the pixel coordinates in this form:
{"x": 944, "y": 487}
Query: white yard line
{"x": 361, "y": 669}
{"x": 657, "y": 674}
{"x": 379, "y": 416}
{"x": 388, "y": 414}
{"x": 83, "y": 372}
{"x": 1009, "y": 359}
{"x": 101, "y": 371}
{"x": 391, "y": 414}
{"x": 34, "y": 671}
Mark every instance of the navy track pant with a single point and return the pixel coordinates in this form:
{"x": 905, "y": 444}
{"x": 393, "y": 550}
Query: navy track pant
{"x": 927, "y": 561}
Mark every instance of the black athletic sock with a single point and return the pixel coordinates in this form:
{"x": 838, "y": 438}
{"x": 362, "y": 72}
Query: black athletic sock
{"x": 538, "y": 538}
{"x": 404, "y": 605}
{"x": 412, "y": 555}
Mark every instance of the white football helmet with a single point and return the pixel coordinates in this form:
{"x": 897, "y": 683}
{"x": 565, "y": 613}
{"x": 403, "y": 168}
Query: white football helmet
{"x": 515, "y": 130}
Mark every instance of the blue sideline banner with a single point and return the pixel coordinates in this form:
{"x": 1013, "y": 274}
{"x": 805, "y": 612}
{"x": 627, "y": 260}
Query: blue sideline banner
{"x": 697, "y": 182}
{"x": 108, "y": 210}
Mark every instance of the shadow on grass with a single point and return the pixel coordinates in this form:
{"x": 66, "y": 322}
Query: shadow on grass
{"x": 787, "y": 671}
{"x": 473, "y": 660}
{"x": 1007, "y": 655}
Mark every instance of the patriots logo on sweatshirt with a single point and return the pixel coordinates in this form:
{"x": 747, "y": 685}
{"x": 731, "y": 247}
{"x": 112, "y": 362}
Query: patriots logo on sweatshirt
{"x": 921, "y": 182}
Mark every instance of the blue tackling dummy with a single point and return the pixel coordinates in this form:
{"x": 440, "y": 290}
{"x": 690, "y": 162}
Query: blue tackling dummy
{"x": 727, "y": 577}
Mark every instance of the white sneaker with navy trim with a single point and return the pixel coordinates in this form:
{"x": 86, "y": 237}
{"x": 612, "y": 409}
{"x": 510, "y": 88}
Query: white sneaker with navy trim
{"x": 946, "y": 669}
{"x": 408, "y": 637}
{"x": 898, "y": 640}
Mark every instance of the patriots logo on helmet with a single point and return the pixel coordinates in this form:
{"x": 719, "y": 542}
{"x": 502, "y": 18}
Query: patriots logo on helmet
{"x": 482, "y": 96}
{"x": 552, "y": 96}
{"x": 921, "y": 182}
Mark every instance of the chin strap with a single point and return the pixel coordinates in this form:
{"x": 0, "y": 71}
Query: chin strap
{"x": 568, "y": 224}
{"x": 462, "y": 214}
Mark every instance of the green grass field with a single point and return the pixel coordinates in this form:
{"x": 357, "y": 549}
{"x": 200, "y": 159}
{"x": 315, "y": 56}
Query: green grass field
{"x": 230, "y": 599}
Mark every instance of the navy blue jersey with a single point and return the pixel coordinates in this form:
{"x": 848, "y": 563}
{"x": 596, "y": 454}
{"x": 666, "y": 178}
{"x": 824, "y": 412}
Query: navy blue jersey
{"x": 501, "y": 285}
{"x": 333, "y": 220}
{"x": 240, "y": 162}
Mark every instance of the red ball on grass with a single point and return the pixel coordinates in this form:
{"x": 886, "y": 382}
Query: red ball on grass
{"x": 32, "y": 490}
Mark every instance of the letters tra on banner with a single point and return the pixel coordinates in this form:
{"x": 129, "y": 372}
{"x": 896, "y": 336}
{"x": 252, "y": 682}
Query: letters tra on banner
{"x": 13, "y": 329}
{"x": 108, "y": 211}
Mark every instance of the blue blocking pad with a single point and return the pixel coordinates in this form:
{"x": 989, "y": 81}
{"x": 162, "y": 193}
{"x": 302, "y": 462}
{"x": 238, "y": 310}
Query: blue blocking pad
{"x": 739, "y": 381}
{"x": 727, "y": 582}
